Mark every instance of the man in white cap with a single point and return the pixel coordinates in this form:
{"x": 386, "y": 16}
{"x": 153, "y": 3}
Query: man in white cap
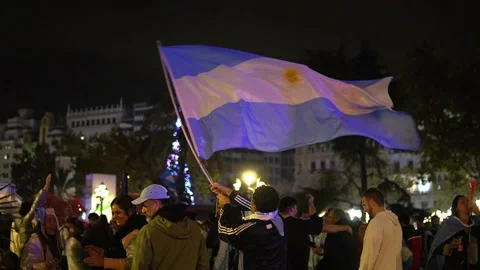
{"x": 170, "y": 240}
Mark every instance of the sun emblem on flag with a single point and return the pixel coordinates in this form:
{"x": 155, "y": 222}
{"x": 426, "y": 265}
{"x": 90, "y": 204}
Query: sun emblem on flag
{"x": 292, "y": 75}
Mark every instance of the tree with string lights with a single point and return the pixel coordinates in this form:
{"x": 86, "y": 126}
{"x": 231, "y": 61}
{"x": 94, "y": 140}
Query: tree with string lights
{"x": 177, "y": 177}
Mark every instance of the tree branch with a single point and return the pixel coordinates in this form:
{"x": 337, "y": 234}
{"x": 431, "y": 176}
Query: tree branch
{"x": 351, "y": 180}
{"x": 348, "y": 202}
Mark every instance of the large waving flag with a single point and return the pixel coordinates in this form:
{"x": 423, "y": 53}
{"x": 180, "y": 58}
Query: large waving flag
{"x": 233, "y": 99}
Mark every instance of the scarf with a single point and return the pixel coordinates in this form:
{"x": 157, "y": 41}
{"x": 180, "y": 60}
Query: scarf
{"x": 272, "y": 216}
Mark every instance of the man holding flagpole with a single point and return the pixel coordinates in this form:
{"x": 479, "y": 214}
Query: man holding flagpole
{"x": 261, "y": 236}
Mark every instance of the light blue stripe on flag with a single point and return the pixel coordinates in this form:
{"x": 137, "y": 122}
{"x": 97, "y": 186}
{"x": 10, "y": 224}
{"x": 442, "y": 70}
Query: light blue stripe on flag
{"x": 276, "y": 127}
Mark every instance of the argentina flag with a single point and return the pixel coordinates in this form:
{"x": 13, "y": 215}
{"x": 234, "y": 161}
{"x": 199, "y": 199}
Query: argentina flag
{"x": 233, "y": 99}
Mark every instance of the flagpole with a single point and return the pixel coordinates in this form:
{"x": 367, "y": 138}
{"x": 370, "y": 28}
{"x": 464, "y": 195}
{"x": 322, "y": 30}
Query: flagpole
{"x": 166, "y": 72}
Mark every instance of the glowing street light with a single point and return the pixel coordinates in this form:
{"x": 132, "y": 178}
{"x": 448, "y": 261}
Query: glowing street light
{"x": 101, "y": 192}
{"x": 249, "y": 177}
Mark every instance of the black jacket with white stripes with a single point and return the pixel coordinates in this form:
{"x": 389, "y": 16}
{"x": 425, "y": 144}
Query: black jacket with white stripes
{"x": 262, "y": 244}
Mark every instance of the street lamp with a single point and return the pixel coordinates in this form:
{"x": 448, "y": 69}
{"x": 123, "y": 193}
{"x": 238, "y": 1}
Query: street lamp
{"x": 101, "y": 192}
{"x": 250, "y": 179}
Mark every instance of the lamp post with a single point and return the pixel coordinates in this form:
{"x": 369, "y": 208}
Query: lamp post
{"x": 101, "y": 192}
{"x": 249, "y": 179}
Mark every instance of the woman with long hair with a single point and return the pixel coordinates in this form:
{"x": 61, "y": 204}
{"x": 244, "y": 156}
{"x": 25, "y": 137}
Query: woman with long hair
{"x": 453, "y": 246}
{"x": 127, "y": 223}
{"x": 339, "y": 246}
{"x": 42, "y": 251}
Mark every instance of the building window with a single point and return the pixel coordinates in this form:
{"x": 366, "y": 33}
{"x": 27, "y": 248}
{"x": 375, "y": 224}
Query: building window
{"x": 270, "y": 160}
{"x": 332, "y": 164}
{"x": 424, "y": 205}
{"x": 322, "y": 165}
{"x": 108, "y": 120}
{"x": 88, "y": 123}
{"x": 313, "y": 166}
{"x": 103, "y": 121}
{"x": 73, "y": 124}
{"x": 277, "y": 160}
{"x": 6, "y": 156}
{"x": 6, "y": 166}
{"x": 410, "y": 164}
{"x": 114, "y": 120}
{"x": 396, "y": 167}
{"x": 98, "y": 121}
{"x": 83, "y": 123}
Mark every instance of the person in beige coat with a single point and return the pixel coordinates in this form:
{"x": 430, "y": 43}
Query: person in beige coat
{"x": 382, "y": 244}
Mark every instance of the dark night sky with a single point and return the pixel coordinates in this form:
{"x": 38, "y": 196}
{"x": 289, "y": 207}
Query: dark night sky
{"x": 55, "y": 56}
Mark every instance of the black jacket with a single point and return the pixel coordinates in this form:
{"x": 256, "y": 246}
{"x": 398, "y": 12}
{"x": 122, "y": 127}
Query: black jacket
{"x": 298, "y": 239}
{"x": 262, "y": 244}
{"x": 340, "y": 251}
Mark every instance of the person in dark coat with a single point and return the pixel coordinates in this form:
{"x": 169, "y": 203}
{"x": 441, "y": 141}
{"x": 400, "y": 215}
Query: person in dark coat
{"x": 339, "y": 246}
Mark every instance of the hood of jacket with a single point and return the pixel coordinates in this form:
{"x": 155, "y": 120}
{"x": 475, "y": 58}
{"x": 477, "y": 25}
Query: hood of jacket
{"x": 172, "y": 220}
{"x": 388, "y": 216}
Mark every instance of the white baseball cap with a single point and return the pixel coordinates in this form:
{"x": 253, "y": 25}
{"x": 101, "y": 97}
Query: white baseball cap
{"x": 152, "y": 192}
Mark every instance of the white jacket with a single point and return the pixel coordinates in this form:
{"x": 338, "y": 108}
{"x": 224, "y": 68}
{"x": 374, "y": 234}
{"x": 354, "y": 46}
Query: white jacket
{"x": 34, "y": 255}
{"x": 382, "y": 244}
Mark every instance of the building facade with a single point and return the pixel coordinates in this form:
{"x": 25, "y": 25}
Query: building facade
{"x": 275, "y": 169}
{"x": 88, "y": 122}
{"x": 140, "y": 111}
{"x": 402, "y": 167}
{"x": 16, "y": 133}
{"x": 310, "y": 161}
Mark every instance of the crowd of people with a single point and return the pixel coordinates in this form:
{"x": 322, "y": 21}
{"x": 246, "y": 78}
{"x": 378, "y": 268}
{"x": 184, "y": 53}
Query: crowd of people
{"x": 264, "y": 232}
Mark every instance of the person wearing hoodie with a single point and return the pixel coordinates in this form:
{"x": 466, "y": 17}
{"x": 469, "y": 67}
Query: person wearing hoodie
{"x": 382, "y": 244}
{"x": 42, "y": 251}
{"x": 170, "y": 240}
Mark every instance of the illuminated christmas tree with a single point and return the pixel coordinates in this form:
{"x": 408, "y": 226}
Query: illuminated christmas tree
{"x": 174, "y": 166}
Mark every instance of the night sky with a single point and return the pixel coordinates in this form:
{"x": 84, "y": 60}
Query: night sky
{"x": 55, "y": 56}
